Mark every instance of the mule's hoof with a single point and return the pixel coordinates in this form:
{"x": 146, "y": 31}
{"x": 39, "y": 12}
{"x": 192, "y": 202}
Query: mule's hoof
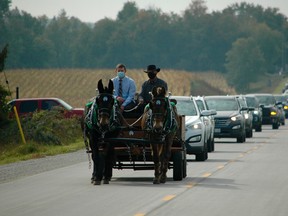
{"x": 156, "y": 181}
{"x": 97, "y": 182}
{"x": 92, "y": 180}
{"x": 163, "y": 179}
{"x": 106, "y": 181}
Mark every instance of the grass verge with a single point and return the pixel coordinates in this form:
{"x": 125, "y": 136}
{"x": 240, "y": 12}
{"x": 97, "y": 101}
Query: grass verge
{"x": 46, "y": 133}
{"x": 31, "y": 150}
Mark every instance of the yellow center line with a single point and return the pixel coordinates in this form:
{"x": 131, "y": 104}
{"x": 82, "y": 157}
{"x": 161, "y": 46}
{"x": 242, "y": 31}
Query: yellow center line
{"x": 191, "y": 184}
{"x": 221, "y": 167}
{"x": 206, "y": 175}
{"x": 139, "y": 214}
{"x": 168, "y": 197}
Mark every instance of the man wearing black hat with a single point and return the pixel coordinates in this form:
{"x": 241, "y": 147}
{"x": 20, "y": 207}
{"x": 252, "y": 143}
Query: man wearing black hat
{"x": 147, "y": 86}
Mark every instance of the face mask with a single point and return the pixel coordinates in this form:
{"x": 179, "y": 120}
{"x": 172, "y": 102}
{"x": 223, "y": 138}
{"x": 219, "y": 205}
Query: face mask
{"x": 151, "y": 75}
{"x": 121, "y": 74}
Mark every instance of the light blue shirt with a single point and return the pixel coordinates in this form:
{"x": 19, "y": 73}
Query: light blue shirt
{"x": 128, "y": 89}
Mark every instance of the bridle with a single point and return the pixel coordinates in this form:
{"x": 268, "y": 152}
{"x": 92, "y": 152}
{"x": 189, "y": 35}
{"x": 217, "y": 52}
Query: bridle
{"x": 106, "y": 111}
{"x": 98, "y": 111}
{"x": 168, "y": 117}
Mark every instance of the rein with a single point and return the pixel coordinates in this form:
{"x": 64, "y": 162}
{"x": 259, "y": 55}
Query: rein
{"x": 132, "y": 108}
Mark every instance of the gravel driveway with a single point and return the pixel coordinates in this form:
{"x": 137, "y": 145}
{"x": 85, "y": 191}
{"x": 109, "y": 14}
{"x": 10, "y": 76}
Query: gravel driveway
{"x": 17, "y": 170}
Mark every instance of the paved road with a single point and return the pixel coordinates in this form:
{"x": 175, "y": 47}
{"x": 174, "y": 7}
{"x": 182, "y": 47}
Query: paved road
{"x": 238, "y": 179}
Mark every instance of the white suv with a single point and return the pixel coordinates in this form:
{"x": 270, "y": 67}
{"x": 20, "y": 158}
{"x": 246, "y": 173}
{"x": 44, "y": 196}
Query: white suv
{"x": 196, "y": 131}
{"x": 210, "y": 122}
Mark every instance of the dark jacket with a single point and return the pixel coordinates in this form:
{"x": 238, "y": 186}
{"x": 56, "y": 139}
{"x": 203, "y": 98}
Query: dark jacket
{"x": 147, "y": 87}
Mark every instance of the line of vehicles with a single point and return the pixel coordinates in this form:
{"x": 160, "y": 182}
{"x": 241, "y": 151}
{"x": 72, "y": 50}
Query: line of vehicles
{"x": 206, "y": 117}
{"x": 228, "y": 116}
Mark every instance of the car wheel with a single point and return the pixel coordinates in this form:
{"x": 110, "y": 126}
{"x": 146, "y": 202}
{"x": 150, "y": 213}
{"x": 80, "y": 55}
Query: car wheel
{"x": 250, "y": 133}
{"x": 275, "y": 125}
{"x": 258, "y": 128}
{"x": 210, "y": 147}
{"x": 213, "y": 145}
{"x": 202, "y": 156}
{"x": 242, "y": 138}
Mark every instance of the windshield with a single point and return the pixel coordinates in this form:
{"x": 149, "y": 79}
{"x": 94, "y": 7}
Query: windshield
{"x": 200, "y": 105}
{"x": 266, "y": 99}
{"x": 280, "y": 98}
{"x": 222, "y": 104}
{"x": 186, "y": 107}
{"x": 66, "y": 105}
{"x": 252, "y": 102}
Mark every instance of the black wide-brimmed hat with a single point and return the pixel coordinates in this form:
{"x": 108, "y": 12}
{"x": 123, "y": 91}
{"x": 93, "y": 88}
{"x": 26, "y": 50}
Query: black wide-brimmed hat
{"x": 151, "y": 68}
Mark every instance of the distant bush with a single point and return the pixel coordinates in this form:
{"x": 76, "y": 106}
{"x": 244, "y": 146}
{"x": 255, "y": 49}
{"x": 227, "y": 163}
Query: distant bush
{"x": 45, "y": 127}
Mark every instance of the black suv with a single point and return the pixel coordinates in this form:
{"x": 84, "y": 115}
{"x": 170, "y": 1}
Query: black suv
{"x": 229, "y": 120}
{"x": 270, "y": 112}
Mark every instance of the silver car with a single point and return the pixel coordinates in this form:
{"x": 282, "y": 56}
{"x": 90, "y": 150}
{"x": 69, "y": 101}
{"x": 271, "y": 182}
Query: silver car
{"x": 209, "y": 120}
{"x": 196, "y": 131}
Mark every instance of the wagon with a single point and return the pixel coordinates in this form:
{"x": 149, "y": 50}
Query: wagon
{"x": 132, "y": 149}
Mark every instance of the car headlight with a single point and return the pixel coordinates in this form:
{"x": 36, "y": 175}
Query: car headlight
{"x": 285, "y": 107}
{"x": 273, "y": 113}
{"x": 195, "y": 126}
{"x": 235, "y": 118}
{"x": 256, "y": 112}
{"x": 246, "y": 115}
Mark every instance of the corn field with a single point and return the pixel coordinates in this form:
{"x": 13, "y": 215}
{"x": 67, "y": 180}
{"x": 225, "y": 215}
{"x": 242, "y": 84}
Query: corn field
{"x": 77, "y": 86}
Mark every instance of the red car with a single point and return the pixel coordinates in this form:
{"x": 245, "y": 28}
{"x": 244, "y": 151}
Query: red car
{"x": 25, "y": 106}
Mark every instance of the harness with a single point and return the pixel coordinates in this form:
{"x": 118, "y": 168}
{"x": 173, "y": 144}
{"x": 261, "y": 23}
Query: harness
{"x": 170, "y": 123}
{"x": 92, "y": 121}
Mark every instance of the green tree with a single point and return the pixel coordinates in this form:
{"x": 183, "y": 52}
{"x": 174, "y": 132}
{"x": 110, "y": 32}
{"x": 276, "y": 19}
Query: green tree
{"x": 21, "y": 33}
{"x": 4, "y": 7}
{"x": 270, "y": 44}
{"x": 98, "y": 43}
{"x": 129, "y": 11}
{"x": 192, "y": 37}
{"x": 3, "y": 92}
{"x": 245, "y": 63}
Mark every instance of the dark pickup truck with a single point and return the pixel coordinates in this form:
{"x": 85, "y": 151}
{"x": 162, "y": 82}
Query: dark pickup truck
{"x": 25, "y": 106}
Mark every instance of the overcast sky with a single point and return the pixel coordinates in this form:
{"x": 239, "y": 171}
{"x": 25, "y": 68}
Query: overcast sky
{"x": 94, "y": 10}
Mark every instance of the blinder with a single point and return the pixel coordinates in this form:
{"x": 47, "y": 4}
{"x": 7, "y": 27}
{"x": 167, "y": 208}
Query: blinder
{"x": 105, "y": 103}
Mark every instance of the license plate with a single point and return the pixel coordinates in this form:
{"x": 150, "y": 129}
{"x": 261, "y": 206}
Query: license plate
{"x": 217, "y": 130}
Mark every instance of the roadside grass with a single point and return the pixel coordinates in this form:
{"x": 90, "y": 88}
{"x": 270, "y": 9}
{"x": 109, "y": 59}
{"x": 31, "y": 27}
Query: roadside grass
{"x": 11, "y": 153}
{"x": 46, "y": 133}
{"x": 268, "y": 83}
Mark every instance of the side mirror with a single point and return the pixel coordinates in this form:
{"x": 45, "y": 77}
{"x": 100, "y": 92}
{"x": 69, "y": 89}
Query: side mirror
{"x": 213, "y": 112}
{"x": 243, "y": 108}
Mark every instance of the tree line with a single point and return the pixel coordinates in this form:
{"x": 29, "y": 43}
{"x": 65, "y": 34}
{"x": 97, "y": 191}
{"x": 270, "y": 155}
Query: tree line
{"x": 243, "y": 40}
